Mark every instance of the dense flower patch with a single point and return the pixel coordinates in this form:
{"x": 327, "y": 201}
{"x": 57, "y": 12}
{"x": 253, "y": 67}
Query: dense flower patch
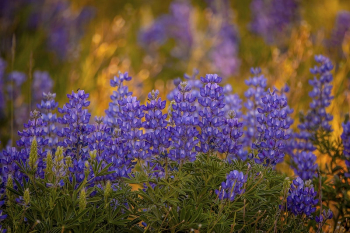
{"x": 205, "y": 164}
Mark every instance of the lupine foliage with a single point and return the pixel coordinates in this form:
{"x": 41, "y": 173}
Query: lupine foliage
{"x": 189, "y": 166}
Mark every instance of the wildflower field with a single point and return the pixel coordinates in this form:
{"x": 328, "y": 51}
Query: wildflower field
{"x": 174, "y": 116}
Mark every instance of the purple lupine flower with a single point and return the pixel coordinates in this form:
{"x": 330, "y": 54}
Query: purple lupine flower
{"x": 324, "y": 216}
{"x": 130, "y": 123}
{"x": 233, "y": 186}
{"x": 155, "y": 123}
{"x": 100, "y": 138}
{"x": 47, "y": 106}
{"x": 81, "y": 170}
{"x": 116, "y": 154}
{"x": 195, "y": 85}
{"x": 231, "y": 132}
{"x": 212, "y": 115}
{"x": 345, "y": 137}
{"x": 126, "y": 139}
{"x": 273, "y": 123}
{"x": 341, "y": 28}
{"x": 301, "y": 198}
{"x": 35, "y": 128}
{"x": 256, "y": 90}
{"x": 3, "y": 216}
{"x": 76, "y": 125}
{"x": 108, "y": 151}
{"x": 225, "y": 53}
{"x": 304, "y": 165}
{"x": 175, "y": 25}
{"x": 232, "y": 102}
{"x": 42, "y": 83}
{"x": 114, "y": 106}
{"x": 274, "y": 18}
{"x": 8, "y": 165}
{"x": 317, "y": 117}
{"x": 184, "y": 124}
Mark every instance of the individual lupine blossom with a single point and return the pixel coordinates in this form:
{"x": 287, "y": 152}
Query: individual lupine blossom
{"x": 272, "y": 18}
{"x": 256, "y": 90}
{"x": 301, "y": 198}
{"x": 233, "y": 186}
{"x": 345, "y": 137}
{"x": 47, "y": 108}
{"x": 231, "y": 131}
{"x": 212, "y": 115}
{"x": 341, "y": 28}
{"x": 175, "y": 25}
{"x": 324, "y": 216}
{"x": 76, "y": 125}
{"x": 183, "y": 132}
{"x": 232, "y": 102}
{"x": 157, "y": 134}
{"x": 317, "y": 117}
{"x": 34, "y": 129}
{"x": 42, "y": 83}
{"x": 130, "y": 123}
{"x": 304, "y": 165}
{"x": 273, "y": 125}
{"x": 112, "y": 113}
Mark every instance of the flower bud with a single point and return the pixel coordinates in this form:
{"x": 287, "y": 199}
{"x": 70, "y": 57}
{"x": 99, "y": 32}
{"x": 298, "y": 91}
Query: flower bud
{"x": 49, "y": 163}
{"x": 108, "y": 189}
{"x": 82, "y": 200}
{"x": 33, "y": 155}
{"x": 231, "y": 114}
{"x": 68, "y": 161}
{"x": 87, "y": 169}
{"x": 26, "y": 197}
{"x": 59, "y": 154}
{"x": 9, "y": 184}
{"x": 93, "y": 155}
{"x": 308, "y": 183}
